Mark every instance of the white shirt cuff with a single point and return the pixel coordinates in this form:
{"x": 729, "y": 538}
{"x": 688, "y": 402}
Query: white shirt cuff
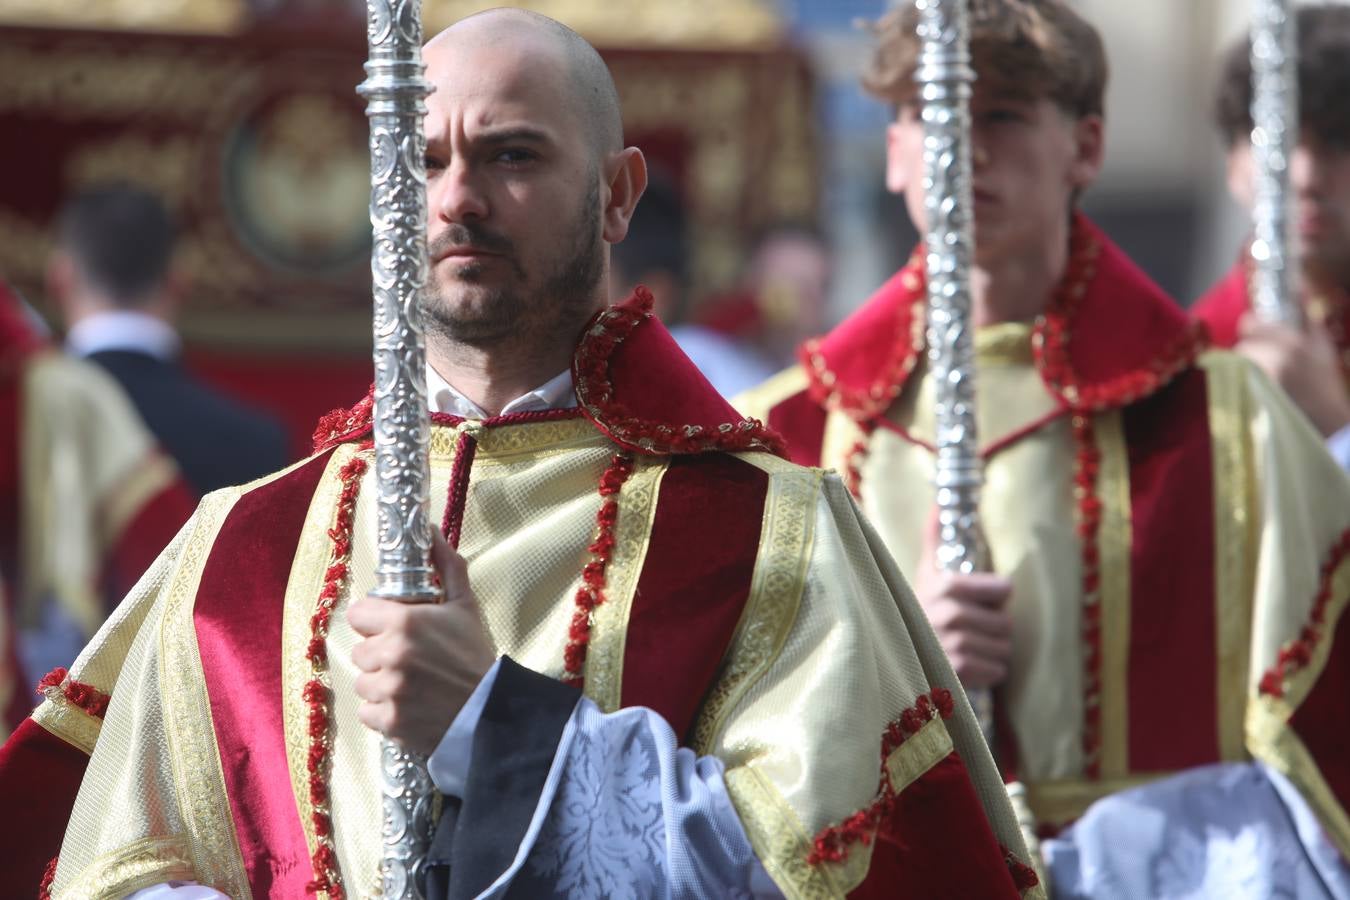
{"x": 449, "y": 763}
{"x": 1339, "y": 445}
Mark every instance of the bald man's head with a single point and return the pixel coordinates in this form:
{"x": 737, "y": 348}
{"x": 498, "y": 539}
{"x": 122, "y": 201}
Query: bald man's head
{"x": 590, "y": 86}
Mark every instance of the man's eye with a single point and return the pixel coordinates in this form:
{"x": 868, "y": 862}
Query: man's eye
{"x": 514, "y": 156}
{"x": 1000, "y": 116}
{"x": 433, "y": 164}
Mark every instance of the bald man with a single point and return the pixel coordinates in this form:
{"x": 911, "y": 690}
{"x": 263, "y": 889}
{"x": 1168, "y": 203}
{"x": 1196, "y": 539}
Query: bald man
{"x": 668, "y": 663}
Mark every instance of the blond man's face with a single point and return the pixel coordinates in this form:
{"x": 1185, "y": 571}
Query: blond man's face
{"x": 1029, "y": 160}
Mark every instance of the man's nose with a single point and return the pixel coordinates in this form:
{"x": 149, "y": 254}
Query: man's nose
{"x": 457, "y": 194}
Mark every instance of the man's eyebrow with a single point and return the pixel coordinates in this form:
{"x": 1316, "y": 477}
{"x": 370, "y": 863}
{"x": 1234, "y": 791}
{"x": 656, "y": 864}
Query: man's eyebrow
{"x": 515, "y": 134}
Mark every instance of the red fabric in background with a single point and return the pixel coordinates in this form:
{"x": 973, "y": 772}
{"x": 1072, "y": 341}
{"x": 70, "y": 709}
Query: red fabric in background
{"x": 40, "y": 775}
{"x": 1173, "y": 662}
{"x": 937, "y": 843}
{"x": 801, "y": 422}
{"x": 1223, "y": 306}
{"x": 694, "y": 583}
{"x": 144, "y": 538}
{"x": 238, "y": 617}
{"x": 299, "y": 389}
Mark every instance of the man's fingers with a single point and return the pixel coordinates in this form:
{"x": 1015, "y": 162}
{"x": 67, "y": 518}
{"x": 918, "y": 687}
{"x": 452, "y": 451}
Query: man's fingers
{"x": 984, "y": 588}
{"x": 961, "y": 617}
{"x": 453, "y": 569}
{"x": 373, "y": 615}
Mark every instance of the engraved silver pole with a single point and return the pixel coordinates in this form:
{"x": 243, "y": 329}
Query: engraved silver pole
{"x": 1274, "y": 48}
{"x": 395, "y": 93}
{"x": 945, "y": 77}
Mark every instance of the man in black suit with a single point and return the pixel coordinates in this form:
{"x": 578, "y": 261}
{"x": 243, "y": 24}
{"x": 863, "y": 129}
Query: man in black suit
{"x": 110, "y": 278}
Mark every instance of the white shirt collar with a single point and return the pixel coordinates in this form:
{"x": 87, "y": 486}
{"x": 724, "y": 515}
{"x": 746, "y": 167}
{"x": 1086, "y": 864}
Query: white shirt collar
{"x": 123, "y": 329}
{"x": 556, "y": 393}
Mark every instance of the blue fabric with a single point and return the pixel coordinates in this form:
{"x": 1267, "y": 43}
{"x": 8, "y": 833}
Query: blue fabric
{"x": 1233, "y": 831}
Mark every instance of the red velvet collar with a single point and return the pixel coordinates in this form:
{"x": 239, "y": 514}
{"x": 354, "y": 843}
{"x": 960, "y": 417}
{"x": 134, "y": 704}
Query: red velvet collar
{"x": 632, "y": 381}
{"x": 1109, "y": 337}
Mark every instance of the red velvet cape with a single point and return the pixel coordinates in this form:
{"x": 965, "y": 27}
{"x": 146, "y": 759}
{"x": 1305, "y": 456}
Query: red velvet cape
{"x": 1111, "y": 339}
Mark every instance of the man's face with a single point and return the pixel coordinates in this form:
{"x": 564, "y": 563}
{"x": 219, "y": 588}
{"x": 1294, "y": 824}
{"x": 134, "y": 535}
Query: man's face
{"x": 1319, "y": 177}
{"x": 1029, "y": 158}
{"x": 514, "y": 196}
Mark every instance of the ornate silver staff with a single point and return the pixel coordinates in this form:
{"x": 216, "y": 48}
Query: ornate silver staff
{"x": 395, "y": 93}
{"x": 945, "y": 77}
{"x": 1274, "y": 49}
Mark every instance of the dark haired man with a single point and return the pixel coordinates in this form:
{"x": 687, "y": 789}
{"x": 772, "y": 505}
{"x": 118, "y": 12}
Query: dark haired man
{"x": 1312, "y": 363}
{"x": 1166, "y": 533}
{"x": 110, "y": 278}
{"x": 765, "y": 712}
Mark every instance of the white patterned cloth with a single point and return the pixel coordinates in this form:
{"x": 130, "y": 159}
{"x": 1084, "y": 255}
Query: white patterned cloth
{"x": 1236, "y": 830}
{"x": 625, "y": 813}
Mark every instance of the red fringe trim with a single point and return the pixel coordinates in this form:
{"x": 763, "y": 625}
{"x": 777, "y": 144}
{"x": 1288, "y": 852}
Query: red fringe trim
{"x": 591, "y": 594}
{"x": 595, "y": 392}
{"x": 834, "y": 843}
{"x": 1297, "y": 654}
{"x": 343, "y": 424}
{"x": 1024, "y": 876}
{"x": 85, "y": 696}
{"x": 48, "y": 876}
{"x": 318, "y": 694}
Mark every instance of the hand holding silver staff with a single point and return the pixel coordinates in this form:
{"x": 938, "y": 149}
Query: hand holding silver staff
{"x": 945, "y": 77}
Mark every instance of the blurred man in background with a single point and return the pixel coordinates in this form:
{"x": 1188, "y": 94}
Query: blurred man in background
{"x": 110, "y": 278}
{"x": 86, "y": 502}
{"x": 1312, "y": 363}
{"x": 1170, "y": 542}
{"x": 656, "y": 255}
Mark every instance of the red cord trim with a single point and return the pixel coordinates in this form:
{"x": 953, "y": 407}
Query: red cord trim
{"x": 1298, "y": 653}
{"x": 48, "y": 876}
{"x": 865, "y": 406}
{"x": 595, "y": 393}
{"x": 317, "y": 693}
{"x": 1024, "y": 876}
{"x": 1052, "y": 335}
{"x": 1087, "y": 465}
{"x": 85, "y": 696}
{"x": 591, "y": 594}
{"x": 458, "y": 495}
{"x": 834, "y": 843}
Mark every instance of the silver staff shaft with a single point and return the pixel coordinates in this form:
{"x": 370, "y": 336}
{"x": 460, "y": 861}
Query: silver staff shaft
{"x": 395, "y": 93}
{"x": 945, "y": 77}
{"x": 1274, "y": 49}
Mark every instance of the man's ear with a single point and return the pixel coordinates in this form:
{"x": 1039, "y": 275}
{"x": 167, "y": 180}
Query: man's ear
{"x": 897, "y": 174}
{"x": 1089, "y": 135}
{"x": 627, "y": 174}
{"x": 1240, "y": 174}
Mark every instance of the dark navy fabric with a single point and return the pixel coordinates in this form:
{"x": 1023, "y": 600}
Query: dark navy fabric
{"x": 513, "y": 749}
{"x": 216, "y": 441}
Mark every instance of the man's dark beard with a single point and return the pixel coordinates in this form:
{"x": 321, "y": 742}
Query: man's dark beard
{"x": 563, "y": 300}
